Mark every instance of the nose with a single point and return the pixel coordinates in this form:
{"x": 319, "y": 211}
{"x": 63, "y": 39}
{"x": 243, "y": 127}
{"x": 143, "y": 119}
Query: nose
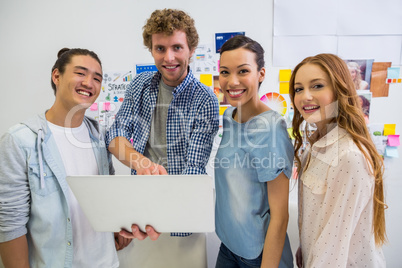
{"x": 169, "y": 55}
{"x": 88, "y": 81}
{"x": 307, "y": 95}
{"x": 233, "y": 81}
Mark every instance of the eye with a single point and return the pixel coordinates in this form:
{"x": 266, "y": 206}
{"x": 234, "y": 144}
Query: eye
{"x": 98, "y": 80}
{"x": 79, "y": 73}
{"x": 223, "y": 72}
{"x": 177, "y": 47}
{"x": 159, "y": 49}
{"x": 243, "y": 71}
{"x": 318, "y": 86}
{"x": 298, "y": 89}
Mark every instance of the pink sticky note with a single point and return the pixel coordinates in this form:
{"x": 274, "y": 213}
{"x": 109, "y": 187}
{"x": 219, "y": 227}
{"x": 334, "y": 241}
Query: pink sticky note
{"x": 393, "y": 140}
{"x": 106, "y": 106}
{"x": 94, "y": 107}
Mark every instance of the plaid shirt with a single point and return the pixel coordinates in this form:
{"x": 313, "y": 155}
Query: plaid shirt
{"x": 192, "y": 122}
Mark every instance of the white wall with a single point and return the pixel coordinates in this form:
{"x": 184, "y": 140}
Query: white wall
{"x": 32, "y": 32}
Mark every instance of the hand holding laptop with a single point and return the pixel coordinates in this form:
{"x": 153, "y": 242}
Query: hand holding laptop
{"x": 136, "y": 233}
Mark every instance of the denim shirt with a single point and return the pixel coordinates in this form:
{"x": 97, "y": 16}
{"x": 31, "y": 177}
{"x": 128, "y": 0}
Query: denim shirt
{"x": 34, "y": 203}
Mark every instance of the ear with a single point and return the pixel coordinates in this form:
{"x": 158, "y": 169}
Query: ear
{"x": 262, "y": 75}
{"x": 56, "y": 76}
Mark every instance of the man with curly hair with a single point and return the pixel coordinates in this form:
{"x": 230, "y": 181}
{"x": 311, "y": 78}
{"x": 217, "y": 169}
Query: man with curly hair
{"x": 169, "y": 115}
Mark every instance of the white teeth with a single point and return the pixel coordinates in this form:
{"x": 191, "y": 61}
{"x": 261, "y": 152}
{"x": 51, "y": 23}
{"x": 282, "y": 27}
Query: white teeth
{"x": 83, "y": 93}
{"x": 170, "y": 67}
{"x": 311, "y": 107}
{"x": 237, "y": 92}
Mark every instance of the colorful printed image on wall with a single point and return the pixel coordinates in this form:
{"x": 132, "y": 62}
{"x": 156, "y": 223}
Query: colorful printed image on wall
{"x": 221, "y": 38}
{"x": 378, "y": 76}
{"x": 365, "y": 101}
{"x": 360, "y": 70}
{"x": 218, "y": 92}
{"x": 275, "y": 101}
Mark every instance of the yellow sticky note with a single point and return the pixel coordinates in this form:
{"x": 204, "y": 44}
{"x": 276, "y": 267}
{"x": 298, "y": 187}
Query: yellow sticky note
{"x": 389, "y": 129}
{"x": 290, "y": 131}
{"x": 222, "y": 109}
{"x": 284, "y": 75}
{"x": 284, "y": 88}
{"x": 206, "y": 79}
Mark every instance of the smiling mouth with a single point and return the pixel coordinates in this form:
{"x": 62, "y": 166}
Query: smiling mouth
{"x": 171, "y": 67}
{"x": 236, "y": 93}
{"x": 311, "y": 108}
{"x": 84, "y": 93}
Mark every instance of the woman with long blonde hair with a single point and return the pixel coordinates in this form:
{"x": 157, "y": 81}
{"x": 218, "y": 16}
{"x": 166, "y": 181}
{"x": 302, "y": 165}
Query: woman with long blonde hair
{"x": 341, "y": 196}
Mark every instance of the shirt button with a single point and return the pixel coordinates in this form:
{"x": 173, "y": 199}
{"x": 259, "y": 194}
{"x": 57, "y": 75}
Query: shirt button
{"x": 68, "y": 219}
{"x": 69, "y": 243}
{"x": 44, "y": 174}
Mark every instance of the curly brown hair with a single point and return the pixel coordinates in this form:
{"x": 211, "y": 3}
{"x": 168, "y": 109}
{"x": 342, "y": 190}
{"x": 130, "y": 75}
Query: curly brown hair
{"x": 167, "y": 21}
{"x": 350, "y": 117}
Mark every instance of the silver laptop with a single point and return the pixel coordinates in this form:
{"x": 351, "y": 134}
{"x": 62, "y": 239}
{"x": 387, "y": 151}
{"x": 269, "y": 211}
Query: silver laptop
{"x": 169, "y": 203}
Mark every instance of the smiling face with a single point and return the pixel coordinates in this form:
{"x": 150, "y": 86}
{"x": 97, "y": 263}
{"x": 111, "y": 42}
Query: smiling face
{"x": 172, "y": 55}
{"x": 314, "y": 95}
{"x": 239, "y": 77}
{"x": 79, "y": 84}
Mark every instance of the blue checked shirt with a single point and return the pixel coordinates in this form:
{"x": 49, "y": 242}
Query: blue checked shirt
{"x": 192, "y": 122}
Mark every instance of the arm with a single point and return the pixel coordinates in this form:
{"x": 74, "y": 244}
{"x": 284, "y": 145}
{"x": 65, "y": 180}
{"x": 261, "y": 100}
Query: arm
{"x": 15, "y": 203}
{"x": 14, "y": 253}
{"x": 278, "y": 195}
{"x": 200, "y": 145}
{"x": 122, "y": 149}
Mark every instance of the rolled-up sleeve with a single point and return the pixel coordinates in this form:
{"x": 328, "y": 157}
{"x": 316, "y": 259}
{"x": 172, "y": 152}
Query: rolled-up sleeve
{"x": 14, "y": 189}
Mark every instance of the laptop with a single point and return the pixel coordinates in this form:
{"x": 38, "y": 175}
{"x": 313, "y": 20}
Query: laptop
{"x": 169, "y": 203}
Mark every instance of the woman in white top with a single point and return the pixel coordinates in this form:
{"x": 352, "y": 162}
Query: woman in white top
{"x": 341, "y": 198}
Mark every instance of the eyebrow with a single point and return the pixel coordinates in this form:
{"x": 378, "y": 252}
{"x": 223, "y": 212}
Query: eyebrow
{"x": 86, "y": 69}
{"x": 312, "y": 81}
{"x": 241, "y": 65}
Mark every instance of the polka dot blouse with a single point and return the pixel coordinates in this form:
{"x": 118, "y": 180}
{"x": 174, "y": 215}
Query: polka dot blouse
{"x": 336, "y": 201}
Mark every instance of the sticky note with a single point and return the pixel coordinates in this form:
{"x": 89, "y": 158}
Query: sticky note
{"x": 393, "y": 72}
{"x": 290, "y": 131}
{"x": 284, "y": 75}
{"x": 393, "y": 140}
{"x": 391, "y": 152}
{"x": 106, "y": 106}
{"x": 399, "y": 80}
{"x": 284, "y": 88}
{"x": 222, "y": 109}
{"x": 206, "y": 79}
{"x": 94, "y": 107}
{"x": 389, "y": 129}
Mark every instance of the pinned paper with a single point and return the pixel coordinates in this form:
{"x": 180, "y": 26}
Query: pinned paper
{"x": 290, "y": 131}
{"x": 393, "y": 72}
{"x": 391, "y": 152}
{"x": 393, "y": 140}
{"x": 284, "y": 88}
{"x": 222, "y": 109}
{"x": 106, "y": 106}
{"x": 284, "y": 75}
{"x": 94, "y": 107}
{"x": 206, "y": 79}
{"x": 389, "y": 129}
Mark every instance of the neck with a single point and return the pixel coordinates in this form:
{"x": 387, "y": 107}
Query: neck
{"x": 66, "y": 118}
{"x": 323, "y": 128}
{"x": 249, "y": 110}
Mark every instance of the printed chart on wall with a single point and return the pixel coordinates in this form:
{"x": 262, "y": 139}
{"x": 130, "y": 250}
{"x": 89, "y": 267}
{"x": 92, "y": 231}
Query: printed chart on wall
{"x": 111, "y": 97}
{"x": 275, "y": 101}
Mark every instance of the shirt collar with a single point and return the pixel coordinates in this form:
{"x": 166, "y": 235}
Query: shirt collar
{"x": 180, "y": 88}
{"x": 331, "y": 137}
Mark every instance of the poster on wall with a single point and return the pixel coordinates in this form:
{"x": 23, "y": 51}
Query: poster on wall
{"x": 111, "y": 97}
{"x": 221, "y": 38}
{"x": 365, "y": 102}
{"x": 360, "y": 70}
{"x": 204, "y": 60}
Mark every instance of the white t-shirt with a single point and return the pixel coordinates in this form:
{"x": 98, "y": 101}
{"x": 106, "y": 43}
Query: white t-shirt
{"x": 91, "y": 249}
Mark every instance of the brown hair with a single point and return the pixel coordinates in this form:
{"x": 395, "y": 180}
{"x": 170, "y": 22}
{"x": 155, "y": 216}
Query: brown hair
{"x": 167, "y": 21}
{"x": 64, "y": 57}
{"x": 350, "y": 118}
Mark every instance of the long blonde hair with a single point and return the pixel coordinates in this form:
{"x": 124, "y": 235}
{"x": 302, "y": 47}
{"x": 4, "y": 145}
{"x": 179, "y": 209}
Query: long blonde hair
{"x": 350, "y": 118}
